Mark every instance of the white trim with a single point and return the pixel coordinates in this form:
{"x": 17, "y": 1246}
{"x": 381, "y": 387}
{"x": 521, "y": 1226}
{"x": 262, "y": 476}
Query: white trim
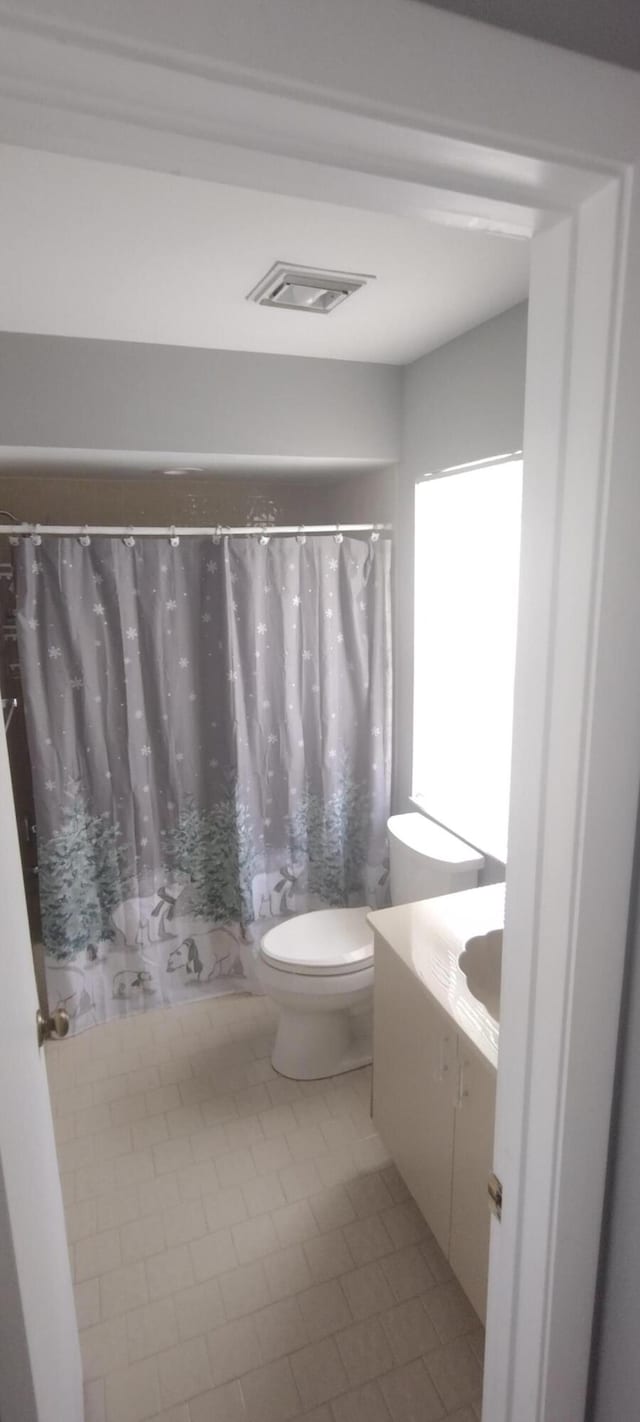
{"x": 572, "y": 823}
{"x": 551, "y": 140}
{"x": 68, "y": 88}
{"x": 538, "y": 137}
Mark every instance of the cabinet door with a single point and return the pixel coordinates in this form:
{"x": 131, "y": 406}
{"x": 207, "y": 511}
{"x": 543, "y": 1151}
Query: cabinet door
{"x": 413, "y": 1071}
{"x": 472, "y": 1165}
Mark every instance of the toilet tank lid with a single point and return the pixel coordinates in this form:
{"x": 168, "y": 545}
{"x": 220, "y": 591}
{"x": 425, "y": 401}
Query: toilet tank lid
{"x": 425, "y": 837}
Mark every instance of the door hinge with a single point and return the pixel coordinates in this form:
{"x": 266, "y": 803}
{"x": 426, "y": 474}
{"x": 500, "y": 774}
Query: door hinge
{"x": 495, "y": 1196}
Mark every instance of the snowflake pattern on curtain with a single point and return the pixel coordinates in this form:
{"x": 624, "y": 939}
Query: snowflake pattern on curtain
{"x": 210, "y": 737}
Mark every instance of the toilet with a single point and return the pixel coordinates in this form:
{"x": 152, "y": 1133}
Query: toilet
{"x": 318, "y": 966}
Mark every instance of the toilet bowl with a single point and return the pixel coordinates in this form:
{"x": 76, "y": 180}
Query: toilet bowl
{"x": 318, "y": 966}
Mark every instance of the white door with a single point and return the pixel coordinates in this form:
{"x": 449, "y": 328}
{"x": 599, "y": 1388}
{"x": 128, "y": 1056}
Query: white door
{"x": 413, "y": 1061}
{"x": 40, "y": 1373}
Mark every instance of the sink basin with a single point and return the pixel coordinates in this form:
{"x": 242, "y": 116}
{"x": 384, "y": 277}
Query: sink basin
{"x": 481, "y": 963}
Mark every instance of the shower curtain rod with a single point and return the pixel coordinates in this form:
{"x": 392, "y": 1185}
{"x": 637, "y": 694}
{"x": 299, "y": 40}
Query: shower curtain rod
{"x": 17, "y": 530}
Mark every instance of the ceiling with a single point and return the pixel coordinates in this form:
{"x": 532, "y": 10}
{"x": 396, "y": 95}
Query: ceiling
{"x": 98, "y": 250}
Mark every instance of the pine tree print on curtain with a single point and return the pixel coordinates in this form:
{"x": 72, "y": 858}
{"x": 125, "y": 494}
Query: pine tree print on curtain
{"x": 209, "y": 730}
{"x": 310, "y": 678}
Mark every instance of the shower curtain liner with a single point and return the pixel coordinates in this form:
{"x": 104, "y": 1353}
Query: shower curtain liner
{"x": 210, "y": 738}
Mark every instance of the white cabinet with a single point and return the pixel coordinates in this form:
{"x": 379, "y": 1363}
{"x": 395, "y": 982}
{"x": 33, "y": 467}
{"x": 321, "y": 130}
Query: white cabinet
{"x": 433, "y": 1104}
{"x": 472, "y": 1166}
{"x": 413, "y": 1057}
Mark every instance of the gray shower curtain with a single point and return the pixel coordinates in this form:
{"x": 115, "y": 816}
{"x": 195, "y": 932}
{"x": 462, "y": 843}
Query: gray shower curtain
{"x": 210, "y": 737}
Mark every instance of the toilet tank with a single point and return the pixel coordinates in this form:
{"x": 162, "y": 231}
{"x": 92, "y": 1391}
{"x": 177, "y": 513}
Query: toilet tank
{"x": 426, "y": 860}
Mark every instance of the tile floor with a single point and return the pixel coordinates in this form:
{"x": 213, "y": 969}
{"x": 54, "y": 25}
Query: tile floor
{"x": 243, "y": 1249}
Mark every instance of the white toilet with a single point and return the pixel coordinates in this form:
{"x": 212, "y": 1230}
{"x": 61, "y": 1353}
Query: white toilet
{"x": 318, "y": 967}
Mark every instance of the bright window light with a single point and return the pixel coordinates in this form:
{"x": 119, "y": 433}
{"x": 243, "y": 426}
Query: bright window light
{"x": 466, "y": 598}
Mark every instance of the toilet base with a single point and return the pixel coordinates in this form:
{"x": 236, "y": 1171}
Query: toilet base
{"x": 313, "y": 1045}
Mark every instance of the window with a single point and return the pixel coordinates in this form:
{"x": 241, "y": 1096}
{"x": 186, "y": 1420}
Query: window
{"x": 466, "y": 596}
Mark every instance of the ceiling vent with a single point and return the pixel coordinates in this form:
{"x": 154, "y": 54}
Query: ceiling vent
{"x": 294, "y": 288}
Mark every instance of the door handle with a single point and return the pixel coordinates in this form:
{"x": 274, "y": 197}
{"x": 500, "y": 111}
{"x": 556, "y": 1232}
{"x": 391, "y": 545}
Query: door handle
{"x": 443, "y": 1066}
{"x": 57, "y": 1025}
{"x": 462, "y": 1089}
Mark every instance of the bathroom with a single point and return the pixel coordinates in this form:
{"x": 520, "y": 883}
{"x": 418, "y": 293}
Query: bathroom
{"x": 243, "y": 1243}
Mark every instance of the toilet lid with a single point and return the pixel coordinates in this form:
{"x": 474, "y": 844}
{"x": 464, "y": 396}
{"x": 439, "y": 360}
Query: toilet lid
{"x": 325, "y": 941}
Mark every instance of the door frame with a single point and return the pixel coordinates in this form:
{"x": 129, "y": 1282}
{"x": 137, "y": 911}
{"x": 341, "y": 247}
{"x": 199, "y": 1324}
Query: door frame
{"x": 542, "y": 145}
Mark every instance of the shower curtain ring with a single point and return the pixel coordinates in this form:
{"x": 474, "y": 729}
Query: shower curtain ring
{"x": 374, "y": 535}
{"x": 338, "y": 537}
{"x": 263, "y": 539}
{"x": 129, "y": 540}
{"x": 36, "y": 538}
{"x": 173, "y": 537}
{"x": 84, "y": 539}
{"x": 215, "y": 537}
{"x": 301, "y": 536}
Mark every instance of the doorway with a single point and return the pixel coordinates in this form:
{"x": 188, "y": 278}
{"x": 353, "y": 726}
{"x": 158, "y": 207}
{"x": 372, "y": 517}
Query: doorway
{"x": 573, "y": 794}
{"x": 103, "y": 1124}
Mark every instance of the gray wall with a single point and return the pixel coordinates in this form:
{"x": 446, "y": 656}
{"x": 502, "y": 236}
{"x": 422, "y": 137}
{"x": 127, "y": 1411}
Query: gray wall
{"x": 207, "y": 499}
{"x": 58, "y": 392}
{"x": 461, "y": 403}
{"x": 608, "y": 31}
{"x": 465, "y": 401}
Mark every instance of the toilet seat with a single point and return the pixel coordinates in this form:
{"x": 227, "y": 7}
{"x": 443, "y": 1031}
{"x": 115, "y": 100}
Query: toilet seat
{"x": 325, "y": 942}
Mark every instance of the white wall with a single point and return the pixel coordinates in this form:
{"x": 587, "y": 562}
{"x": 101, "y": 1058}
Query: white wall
{"x": 461, "y": 403}
{"x": 68, "y": 393}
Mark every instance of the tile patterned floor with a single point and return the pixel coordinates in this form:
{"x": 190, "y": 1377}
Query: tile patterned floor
{"x": 243, "y": 1249}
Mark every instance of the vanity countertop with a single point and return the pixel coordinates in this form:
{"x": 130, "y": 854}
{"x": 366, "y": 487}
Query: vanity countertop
{"x": 430, "y": 936}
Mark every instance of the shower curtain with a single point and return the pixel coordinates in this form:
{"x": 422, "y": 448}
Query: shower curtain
{"x": 210, "y": 738}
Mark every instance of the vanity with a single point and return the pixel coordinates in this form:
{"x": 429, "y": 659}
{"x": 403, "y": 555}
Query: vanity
{"x": 434, "y": 1068}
